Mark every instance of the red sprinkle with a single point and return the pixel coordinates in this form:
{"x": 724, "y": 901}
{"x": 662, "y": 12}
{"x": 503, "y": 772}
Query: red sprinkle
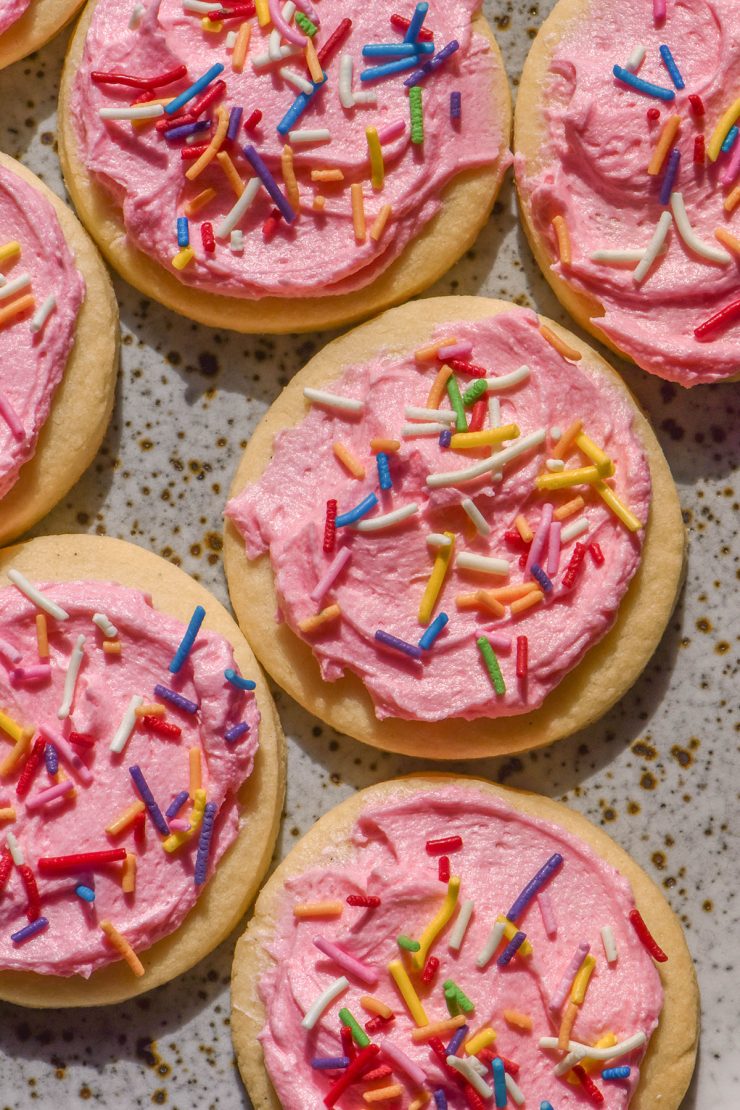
{"x": 206, "y": 234}
{"x": 653, "y": 114}
{"x": 362, "y": 1063}
{"x": 30, "y": 768}
{"x": 6, "y": 866}
{"x": 489, "y": 1054}
{"x": 460, "y": 366}
{"x": 443, "y": 845}
{"x": 81, "y": 861}
{"x": 444, "y": 869}
{"x": 139, "y": 827}
{"x": 369, "y": 901}
{"x": 168, "y": 122}
{"x": 332, "y": 44}
{"x": 330, "y": 528}
{"x": 271, "y": 224}
{"x": 522, "y": 656}
{"x": 699, "y": 150}
{"x": 523, "y": 561}
{"x": 472, "y": 1098}
{"x": 726, "y": 316}
{"x": 193, "y": 153}
{"x": 162, "y": 728}
{"x": 209, "y": 97}
{"x": 221, "y": 16}
{"x": 140, "y": 82}
{"x": 33, "y": 906}
{"x": 587, "y": 1083}
{"x": 513, "y": 539}
{"x": 697, "y": 104}
{"x": 253, "y": 121}
{"x": 144, "y": 97}
{"x": 478, "y": 415}
{"x": 647, "y": 937}
{"x": 574, "y": 566}
{"x": 348, "y": 1045}
{"x": 377, "y": 1023}
{"x": 377, "y": 1073}
{"x": 597, "y": 554}
{"x": 82, "y": 739}
{"x": 430, "y": 969}
{"x": 440, "y": 1052}
{"x": 402, "y": 24}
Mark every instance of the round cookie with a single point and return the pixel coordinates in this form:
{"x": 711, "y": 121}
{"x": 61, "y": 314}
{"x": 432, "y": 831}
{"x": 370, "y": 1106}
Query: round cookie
{"x": 39, "y": 22}
{"x": 583, "y": 152}
{"x": 585, "y": 693}
{"x": 465, "y": 206}
{"x": 233, "y": 885}
{"x": 666, "y": 1069}
{"x": 82, "y": 403}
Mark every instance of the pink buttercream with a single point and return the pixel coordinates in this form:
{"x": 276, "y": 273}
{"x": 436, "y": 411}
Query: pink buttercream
{"x": 32, "y": 365}
{"x": 318, "y": 254}
{"x": 11, "y": 12}
{"x": 502, "y": 850}
{"x": 595, "y": 174}
{"x": 384, "y": 580}
{"x": 165, "y": 892}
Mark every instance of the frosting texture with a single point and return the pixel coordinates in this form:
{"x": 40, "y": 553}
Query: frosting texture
{"x": 31, "y": 363}
{"x": 165, "y": 891}
{"x": 501, "y": 851}
{"x": 382, "y": 584}
{"x": 11, "y": 12}
{"x": 600, "y": 137}
{"x": 318, "y": 253}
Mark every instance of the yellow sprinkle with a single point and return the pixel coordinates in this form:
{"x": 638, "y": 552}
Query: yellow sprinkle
{"x": 567, "y": 439}
{"x": 469, "y": 441}
{"x": 19, "y": 753}
{"x": 437, "y": 1028}
{"x": 581, "y": 981}
{"x": 560, "y": 228}
{"x": 310, "y": 624}
{"x": 196, "y": 777}
{"x": 313, "y": 63}
{"x": 9, "y": 250}
{"x": 347, "y": 459}
{"x": 598, "y": 457}
{"x": 7, "y": 814}
{"x": 559, "y": 344}
{"x": 125, "y": 819}
{"x": 481, "y": 599}
{"x": 480, "y": 1040}
{"x": 112, "y": 647}
{"x": 507, "y": 594}
{"x": 289, "y": 178}
{"x": 510, "y": 931}
{"x": 385, "y": 445}
{"x": 150, "y": 711}
{"x": 719, "y": 134}
{"x": 213, "y": 27}
{"x": 522, "y": 526}
{"x": 305, "y": 910}
{"x": 570, "y": 1013}
{"x": 590, "y": 1065}
{"x": 128, "y": 874}
{"x": 11, "y": 727}
{"x": 665, "y": 142}
{"x": 569, "y": 508}
{"x": 383, "y": 1094}
{"x": 617, "y": 507}
{"x": 230, "y": 170}
{"x": 519, "y": 1021}
{"x": 420, "y": 1101}
{"x": 214, "y": 146}
{"x": 405, "y": 988}
{"x": 176, "y": 840}
{"x": 241, "y": 46}
{"x": 327, "y": 175}
{"x": 200, "y": 201}
{"x": 437, "y": 924}
{"x": 534, "y": 597}
{"x": 727, "y": 240}
{"x": 262, "y": 8}
{"x": 439, "y": 385}
{"x": 42, "y": 636}
{"x": 123, "y": 947}
{"x": 358, "y": 213}
{"x": 375, "y": 1006}
{"x": 319, "y": 202}
{"x": 375, "y": 153}
{"x": 436, "y": 580}
{"x": 379, "y": 224}
{"x": 23, "y": 304}
{"x": 581, "y": 475}
{"x": 429, "y": 353}
{"x": 732, "y": 199}
{"x": 183, "y": 258}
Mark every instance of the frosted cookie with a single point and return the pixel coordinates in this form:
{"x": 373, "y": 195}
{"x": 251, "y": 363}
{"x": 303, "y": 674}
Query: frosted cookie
{"x": 26, "y": 25}
{"x": 141, "y": 772}
{"x": 545, "y": 968}
{"x": 455, "y": 533}
{"x": 58, "y": 349}
{"x": 628, "y": 170}
{"x": 342, "y": 159}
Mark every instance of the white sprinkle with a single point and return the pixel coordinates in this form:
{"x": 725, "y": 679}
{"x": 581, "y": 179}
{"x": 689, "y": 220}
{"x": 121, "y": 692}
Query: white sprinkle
{"x": 414, "y": 413}
{"x": 324, "y": 1000}
{"x": 474, "y": 1079}
{"x": 495, "y": 937}
{"x": 494, "y": 411}
{"x": 136, "y": 15}
{"x": 109, "y": 630}
{"x": 199, "y": 6}
{"x": 9, "y": 652}
{"x": 578, "y": 1051}
{"x": 433, "y": 429}
{"x": 610, "y": 944}
{"x": 333, "y": 400}
{"x": 508, "y": 380}
{"x": 555, "y": 465}
{"x": 438, "y": 539}
{"x": 231, "y": 219}
{"x": 496, "y": 462}
{"x": 513, "y": 1089}
{"x": 479, "y": 1066}
{"x": 366, "y": 96}
{"x": 480, "y": 522}
{"x": 463, "y": 920}
{"x": 135, "y": 111}
{"x": 236, "y": 241}
{"x": 43, "y": 313}
{"x": 15, "y": 849}
{"x": 10, "y": 288}
{"x": 466, "y": 560}
{"x": 346, "y": 68}
{"x": 575, "y": 528}
{"x": 260, "y": 61}
{"x": 200, "y": 137}
{"x": 21, "y": 582}
{"x": 375, "y": 523}
{"x": 689, "y": 236}
{"x": 636, "y": 58}
{"x": 70, "y": 679}
{"x": 3, "y": 280}
{"x": 315, "y": 135}
{"x": 653, "y": 248}
{"x": 126, "y": 727}
{"x": 230, "y": 39}
{"x": 296, "y": 80}
{"x": 556, "y": 433}
{"x": 616, "y": 258}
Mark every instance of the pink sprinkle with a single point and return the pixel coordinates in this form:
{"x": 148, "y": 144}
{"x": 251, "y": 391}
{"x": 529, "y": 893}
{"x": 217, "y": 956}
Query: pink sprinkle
{"x": 37, "y": 673}
{"x": 179, "y": 824}
{"x": 402, "y": 1063}
{"x": 49, "y": 795}
{"x": 544, "y": 901}
{"x": 569, "y": 975}
{"x": 499, "y": 642}
{"x": 68, "y": 755}
{"x": 732, "y": 167}
{"x": 540, "y": 537}
{"x": 455, "y": 350}
{"x": 363, "y": 972}
{"x": 10, "y": 417}
{"x": 392, "y": 131}
{"x": 11, "y": 654}
{"x": 658, "y": 10}
{"x": 553, "y": 548}
{"x": 332, "y": 573}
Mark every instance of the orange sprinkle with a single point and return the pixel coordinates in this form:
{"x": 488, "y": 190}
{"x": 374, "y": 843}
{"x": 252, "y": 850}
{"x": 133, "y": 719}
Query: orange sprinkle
{"x": 518, "y": 1020}
{"x": 7, "y": 814}
{"x": 112, "y": 647}
{"x": 230, "y": 171}
{"x": 663, "y": 145}
{"x": 319, "y": 202}
{"x": 727, "y": 240}
{"x": 123, "y": 947}
{"x": 150, "y": 711}
{"x": 241, "y": 46}
{"x": 732, "y": 199}
{"x": 437, "y": 1029}
{"x": 212, "y": 26}
{"x": 313, "y": 63}
{"x": 427, "y": 354}
{"x": 318, "y": 909}
{"x": 42, "y": 636}
{"x": 289, "y": 177}
{"x": 560, "y": 345}
{"x": 23, "y": 304}
{"x": 481, "y": 599}
{"x": 376, "y": 231}
{"x": 385, "y": 445}
{"x": 126, "y": 819}
{"x": 140, "y": 124}
{"x": 196, "y": 777}
{"x": 566, "y": 1025}
{"x": 523, "y": 528}
{"x": 439, "y": 385}
{"x": 358, "y": 213}
{"x": 384, "y": 1094}
{"x": 198, "y": 202}
{"x": 375, "y": 1006}
{"x": 560, "y": 228}
{"x": 327, "y": 175}
{"x": 512, "y": 593}
{"x": 567, "y": 439}
{"x": 534, "y": 597}
{"x": 310, "y": 624}
{"x": 213, "y": 147}
{"x": 569, "y": 508}
{"x": 19, "y": 753}
{"x": 347, "y": 459}
{"x": 128, "y": 874}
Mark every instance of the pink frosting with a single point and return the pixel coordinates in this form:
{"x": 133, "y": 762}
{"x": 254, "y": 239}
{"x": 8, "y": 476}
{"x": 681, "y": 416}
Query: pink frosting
{"x": 502, "y": 850}
{"x": 595, "y": 174}
{"x": 383, "y": 582}
{"x": 32, "y": 364}
{"x": 317, "y": 254}
{"x": 11, "y": 12}
{"x": 165, "y": 891}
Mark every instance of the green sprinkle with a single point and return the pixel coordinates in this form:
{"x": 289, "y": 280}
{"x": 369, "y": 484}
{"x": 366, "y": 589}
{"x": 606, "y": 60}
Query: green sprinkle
{"x": 417, "y": 115}
{"x": 456, "y": 997}
{"x": 407, "y": 943}
{"x": 451, "y": 1000}
{"x": 475, "y": 392}
{"x": 491, "y": 662}
{"x": 453, "y": 392}
{"x": 305, "y": 24}
{"x": 359, "y": 1036}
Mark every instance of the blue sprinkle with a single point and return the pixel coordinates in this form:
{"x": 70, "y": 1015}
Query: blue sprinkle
{"x": 390, "y": 69}
{"x": 297, "y": 108}
{"x": 29, "y": 931}
{"x": 455, "y": 105}
{"x": 622, "y": 1072}
{"x": 445, "y": 438}
{"x": 183, "y": 240}
{"x": 237, "y": 680}
{"x": 330, "y": 1063}
{"x": 538, "y": 573}
{"x": 403, "y": 646}
{"x": 384, "y": 471}
{"x": 637, "y": 83}
{"x": 499, "y": 1081}
{"x": 199, "y": 612}
{"x": 431, "y": 634}
{"x": 669, "y": 178}
{"x": 235, "y": 119}
{"x": 440, "y": 1099}
{"x": 359, "y": 511}
{"x": 176, "y": 804}
{"x": 545, "y": 1105}
{"x": 174, "y": 698}
{"x": 187, "y": 129}
{"x": 511, "y": 948}
{"x": 729, "y": 142}
{"x": 148, "y": 799}
{"x": 189, "y": 94}
{"x": 86, "y": 893}
{"x": 236, "y": 732}
{"x": 457, "y": 1040}
{"x": 204, "y": 843}
{"x": 396, "y": 49}
{"x": 417, "y": 20}
{"x": 670, "y": 64}
{"x": 51, "y": 758}
{"x": 545, "y": 872}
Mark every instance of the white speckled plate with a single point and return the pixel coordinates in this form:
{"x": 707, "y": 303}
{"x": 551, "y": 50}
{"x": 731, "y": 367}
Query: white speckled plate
{"x": 660, "y": 772}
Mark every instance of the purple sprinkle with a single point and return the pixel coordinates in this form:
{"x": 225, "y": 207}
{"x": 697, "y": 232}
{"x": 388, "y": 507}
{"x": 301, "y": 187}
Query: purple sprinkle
{"x": 403, "y": 646}
{"x": 511, "y": 948}
{"x": 330, "y": 1063}
{"x": 172, "y": 696}
{"x": 440, "y": 1099}
{"x": 455, "y": 105}
{"x": 534, "y": 885}
{"x": 148, "y": 799}
{"x": 433, "y": 64}
{"x": 537, "y": 572}
{"x": 176, "y": 804}
{"x": 671, "y": 173}
{"x": 51, "y": 758}
{"x": 235, "y": 119}
{"x": 236, "y": 732}
{"x": 187, "y": 129}
{"x": 457, "y": 1040}
{"x": 445, "y": 438}
{"x": 269, "y": 182}
{"x": 29, "y": 931}
{"x": 204, "y": 843}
